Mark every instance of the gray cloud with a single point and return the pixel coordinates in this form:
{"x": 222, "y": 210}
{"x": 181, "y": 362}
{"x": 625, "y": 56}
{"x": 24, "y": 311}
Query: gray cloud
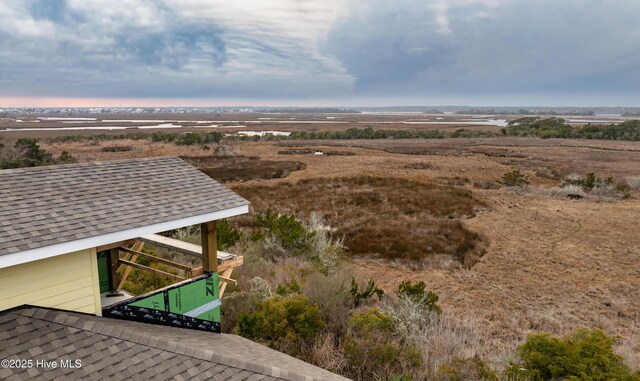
{"x": 167, "y": 49}
{"x": 467, "y": 47}
{"x": 340, "y": 49}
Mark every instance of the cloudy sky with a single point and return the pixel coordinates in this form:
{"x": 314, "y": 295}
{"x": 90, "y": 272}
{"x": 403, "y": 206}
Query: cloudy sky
{"x": 320, "y": 52}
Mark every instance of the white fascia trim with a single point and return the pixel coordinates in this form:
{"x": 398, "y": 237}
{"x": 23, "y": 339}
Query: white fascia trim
{"x": 87, "y": 243}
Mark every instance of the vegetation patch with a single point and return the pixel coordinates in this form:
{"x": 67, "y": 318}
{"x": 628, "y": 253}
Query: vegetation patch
{"x": 26, "y": 152}
{"x": 557, "y": 128}
{"x": 589, "y": 186}
{"x": 283, "y": 323}
{"x": 307, "y": 151}
{"x": 389, "y": 218}
{"x": 239, "y": 168}
{"x": 584, "y": 355}
{"x": 514, "y": 178}
{"x": 420, "y": 165}
{"x": 117, "y": 149}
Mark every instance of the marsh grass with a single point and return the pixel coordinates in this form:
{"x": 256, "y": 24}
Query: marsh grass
{"x": 389, "y": 218}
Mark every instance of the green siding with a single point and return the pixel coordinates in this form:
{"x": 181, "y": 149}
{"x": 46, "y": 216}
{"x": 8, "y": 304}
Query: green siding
{"x": 103, "y": 270}
{"x": 155, "y": 302}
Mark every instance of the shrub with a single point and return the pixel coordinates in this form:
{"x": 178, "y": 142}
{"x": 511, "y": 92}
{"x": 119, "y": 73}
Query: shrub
{"x": 284, "y": 231}
{"x": 416, "y": 292}
{"x": 372, "y": 349}
{"x": 226, "y": 234}
{"x": 65, "y": 157}
{"x": 193, "y": 138}
{"x": 586, "y": 182}
{"x": 514, "y": 178}
{"x": 467, "y": 369}
{"x": 234, "y": 305}
{"x": 585, "y": 355}
{"x": 283, "y": 323}
{"x": 610, "y": 191}
{"x": 367, "y": 293}
{"x": 164, "y": 137}
{"x": 601, "y": 188}
{"x": 441, "y": 338}
{"x": 324, "y": 251}
{"x": 27, "y": 154}
{"x": 633, "y": 182}
{"x": 332, "y": 294}
{"x": 291, "y": 287}
{"x": 189, "y": 138}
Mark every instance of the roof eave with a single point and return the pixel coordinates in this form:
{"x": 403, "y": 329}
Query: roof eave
{"x": 26, "y": 256}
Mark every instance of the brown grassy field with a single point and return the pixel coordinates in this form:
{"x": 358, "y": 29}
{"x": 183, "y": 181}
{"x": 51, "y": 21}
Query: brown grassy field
{"x": 549, "y": 264}
{"x": 417, "y": 225}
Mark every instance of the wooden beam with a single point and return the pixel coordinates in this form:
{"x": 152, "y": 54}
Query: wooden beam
{"x": 223, "y": 284}
{"x": 173, "y": 244}
{"x": 137, "y": 247}
{"x": 152, "y": 270}
{"x": 113, "y": 245}
{"x": 226, "y": 279}
{"x": 239, "y": 261}
{"x": 113, "y": 262}
{"x": 183, "y": 247}
{"x": 209, "y": 246}
{"x": 157, "y": 259}
{"x": 197, "y": 272}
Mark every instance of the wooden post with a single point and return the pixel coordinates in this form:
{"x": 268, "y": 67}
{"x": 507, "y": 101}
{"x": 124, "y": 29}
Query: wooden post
{"x": 114, "y": 262}
{"x": 209, "y": 247}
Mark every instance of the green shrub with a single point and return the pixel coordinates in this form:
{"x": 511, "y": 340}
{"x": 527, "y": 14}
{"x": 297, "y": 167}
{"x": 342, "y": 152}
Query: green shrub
{"x": 514, "y": 178}
{"x": 367, "y": 293}
{"x": 65, "y": 157}
{"x": 189, "y": 138}
{"x": 585, "y": 355}
{"x": 285, "y": 230}
{"x": 197, "y": 138}
{"x": 226, "y": 234}
{"x": 282, "y": 323}
{"x": 27, "y": 154}
{"x": 373, "y": 351}
{"x": 416, "y": 292}
{"x": 234, "y": 305}
{"x": 163, "y": 137}
{"x": 288, "y": 288}
{"x": 557, "y": 128}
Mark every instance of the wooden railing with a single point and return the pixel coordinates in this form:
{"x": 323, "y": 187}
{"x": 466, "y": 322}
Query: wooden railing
{"x": 131, "y": 255}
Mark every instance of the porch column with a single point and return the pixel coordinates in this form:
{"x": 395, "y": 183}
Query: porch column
{"x": 113, "y": 261}
{"x": 209, "y": 247}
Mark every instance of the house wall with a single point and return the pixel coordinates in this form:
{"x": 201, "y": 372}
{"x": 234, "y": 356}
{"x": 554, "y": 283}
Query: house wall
{"x": 68, "y": 282}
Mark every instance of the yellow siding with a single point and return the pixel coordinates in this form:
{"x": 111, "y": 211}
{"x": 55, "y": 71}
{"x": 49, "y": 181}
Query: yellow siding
{"x": 68, "y": 282}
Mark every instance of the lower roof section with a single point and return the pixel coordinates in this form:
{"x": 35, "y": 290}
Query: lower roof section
{"x": 118, "y": 349}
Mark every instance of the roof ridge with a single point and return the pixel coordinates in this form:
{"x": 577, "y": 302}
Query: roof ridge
{"x": 75, "y": 320}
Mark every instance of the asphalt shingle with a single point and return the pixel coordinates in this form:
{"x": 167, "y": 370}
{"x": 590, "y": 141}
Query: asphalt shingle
{"x": 54, "y": 204}
{"x": 107, "y": 354}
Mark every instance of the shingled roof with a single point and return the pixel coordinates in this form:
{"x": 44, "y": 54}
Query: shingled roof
{"x": 118, "y": 350}
{"x": 98, "y": 203}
